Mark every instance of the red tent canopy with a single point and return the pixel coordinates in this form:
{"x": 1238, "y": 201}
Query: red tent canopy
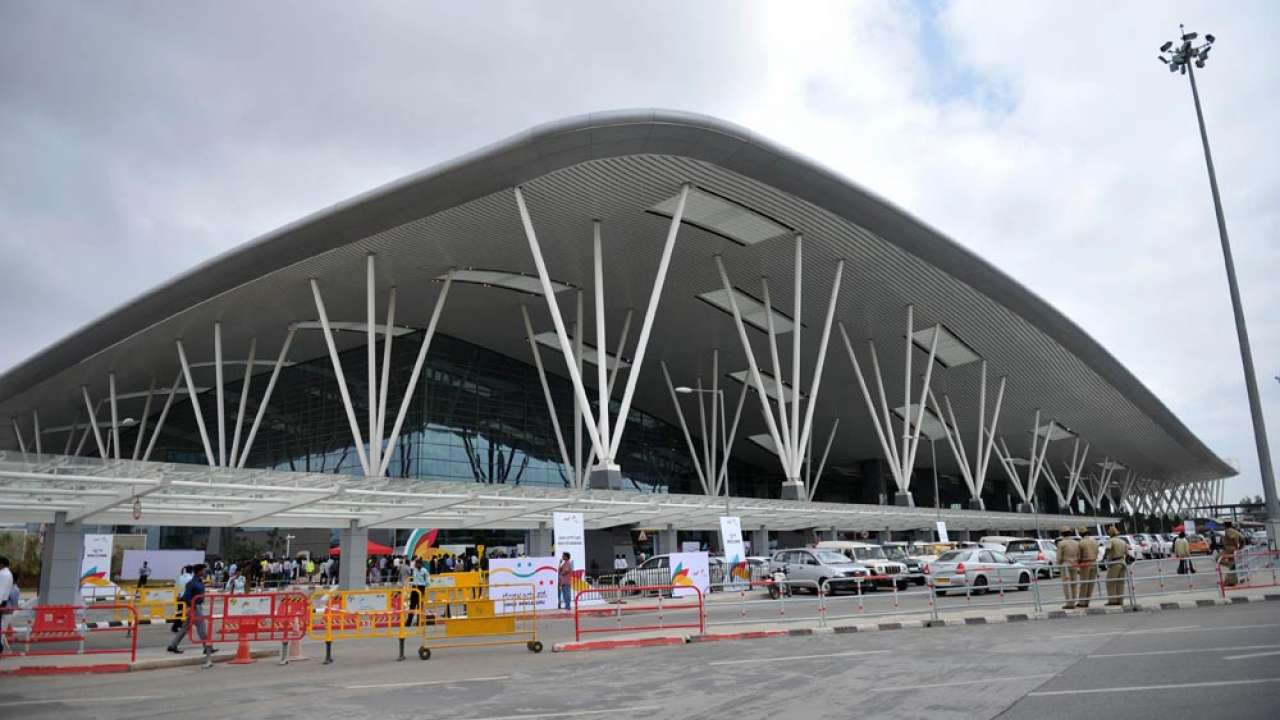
{"x": 374, "y": 549}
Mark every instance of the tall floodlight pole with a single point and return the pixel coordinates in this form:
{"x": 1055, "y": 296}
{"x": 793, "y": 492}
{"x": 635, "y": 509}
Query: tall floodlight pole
{"x": 1180, "y": 57}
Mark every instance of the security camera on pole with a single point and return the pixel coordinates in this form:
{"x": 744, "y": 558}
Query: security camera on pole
{"x": 1179, "y": 56}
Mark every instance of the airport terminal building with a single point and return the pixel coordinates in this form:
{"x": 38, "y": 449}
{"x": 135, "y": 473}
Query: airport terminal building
{"x": 653, "y": 318}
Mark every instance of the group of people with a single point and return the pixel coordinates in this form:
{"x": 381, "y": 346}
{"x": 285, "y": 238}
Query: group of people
{"x": 1078, "y": 555}
{"x": 393, "y": 569}
{"x": 1079, "y": 559}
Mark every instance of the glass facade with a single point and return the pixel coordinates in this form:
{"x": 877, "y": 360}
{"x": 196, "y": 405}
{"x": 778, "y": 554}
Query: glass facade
{"x": 479, "y": 416}
{"x": 476, "y": 416}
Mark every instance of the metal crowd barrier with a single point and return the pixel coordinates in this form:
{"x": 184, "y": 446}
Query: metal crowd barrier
{"x": 68, "y": 625}
{"x": 362, "y": 614}
{"x": 690, "y": 599}
{"x": 242, "y": 618}
{"x": 1248, "y": 569}
{"x": 475, "y": 616}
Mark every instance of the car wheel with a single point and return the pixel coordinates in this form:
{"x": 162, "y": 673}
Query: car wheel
{"x": 919, "y": 581}
{"x": 775, "y": 592}
{"x": 939, "y": 593}
{"x": 979, "y": 585}
{"x": 1024, "y": 582}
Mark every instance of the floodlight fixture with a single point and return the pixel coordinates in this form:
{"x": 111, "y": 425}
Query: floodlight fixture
{"x": 1165, "y": 48}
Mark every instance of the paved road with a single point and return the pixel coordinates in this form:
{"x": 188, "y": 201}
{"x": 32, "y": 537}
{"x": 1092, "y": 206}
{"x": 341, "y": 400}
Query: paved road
{"x": 1185, "y": 663}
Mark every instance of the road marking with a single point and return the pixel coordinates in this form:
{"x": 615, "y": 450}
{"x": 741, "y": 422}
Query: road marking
{"x": 573, "y": 713}
{"x": 1252, "y": 655}
{"x": 900, "y": 688}
{"x": 429, "y": 682}
{"x": 1159, "y": 631}
{"x": 130, "y": 698}
{"x": 797, "y": 657}
{"x": 1188, "y": 650}
{"x": 1141, "y": 688}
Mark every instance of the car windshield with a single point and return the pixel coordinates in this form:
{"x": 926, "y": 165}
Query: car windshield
{"x": 953, "y": 556}
{"x": 1022, "y": 546}
{"x": 869, "y": 553}
{"x": 894, "y": 552}
{"x": 830, "y": 557}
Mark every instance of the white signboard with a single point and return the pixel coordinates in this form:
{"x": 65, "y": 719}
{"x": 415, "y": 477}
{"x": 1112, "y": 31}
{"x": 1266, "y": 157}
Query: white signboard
{"x": 511, "y": 578}
{"x": 164, "y": 564}
{"x": 571, "y": 539}
{"x": 95, "y": 567}
{"x": 736, "y": 570}
{"x": 1189, "y": 527}
{"x": 244, "y": 605}
{"x": 690, "y": 546}
{"x": 942, "y": 531}
{"x": 373, "y": 602}
{"x": 1080, "y": 504}
{"x": 689, "y": 570}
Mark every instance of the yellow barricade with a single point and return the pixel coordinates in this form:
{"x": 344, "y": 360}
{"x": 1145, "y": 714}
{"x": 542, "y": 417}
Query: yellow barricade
{"x": 476, "y": 615}
{"x": 159, "y": 604}
{"x": 359, "y": 614}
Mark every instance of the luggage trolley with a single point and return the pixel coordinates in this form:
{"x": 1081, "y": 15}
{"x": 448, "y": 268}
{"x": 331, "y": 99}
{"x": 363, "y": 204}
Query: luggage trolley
{"x": 478, "y": 615}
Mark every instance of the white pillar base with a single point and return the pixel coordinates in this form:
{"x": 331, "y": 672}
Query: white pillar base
{"x": 977, "y": 504}
{"x": 1025, "y": 508}
{"x": 605, "y": 477}
{"x": 903, "y": 500}
{"x": 793, "y": 490}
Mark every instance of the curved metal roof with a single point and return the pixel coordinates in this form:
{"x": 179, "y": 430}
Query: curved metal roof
{"x": 615, "y": 166}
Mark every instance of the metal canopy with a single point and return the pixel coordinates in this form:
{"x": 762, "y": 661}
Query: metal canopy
{"x": 33, "y": 489}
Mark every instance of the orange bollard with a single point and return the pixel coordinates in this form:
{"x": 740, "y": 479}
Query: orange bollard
{"x": 242, "y": 653}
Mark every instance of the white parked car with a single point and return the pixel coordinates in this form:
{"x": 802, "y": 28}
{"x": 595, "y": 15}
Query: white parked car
{"x": 977, "y": 571}
{"x": 872, "y": 557}
{"x": 1041, "y": 555}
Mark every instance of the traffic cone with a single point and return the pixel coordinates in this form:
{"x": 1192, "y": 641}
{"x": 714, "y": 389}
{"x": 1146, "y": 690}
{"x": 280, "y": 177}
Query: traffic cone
{"x": 242, "y": 653}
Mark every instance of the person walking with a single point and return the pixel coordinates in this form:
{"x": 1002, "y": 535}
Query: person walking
{"x": 1087, "y": 572}
{"x": 1069, "y": 557}
{"x": 565, "y": 578}
{"x": 144, "y": 574}
{"x": 1182, "y": 551}
{"x": 180, "y": 587}
{"x": 193, "y": 598}
{"x": 1117, "y": 556}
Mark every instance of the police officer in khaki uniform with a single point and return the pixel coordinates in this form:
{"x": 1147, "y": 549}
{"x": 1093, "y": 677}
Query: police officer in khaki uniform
{"x": 1088, "y": 572}
{"x": 1232, "y": 541}
{"x": 1069, "y": 558}
{"x": 1117, "y": 552}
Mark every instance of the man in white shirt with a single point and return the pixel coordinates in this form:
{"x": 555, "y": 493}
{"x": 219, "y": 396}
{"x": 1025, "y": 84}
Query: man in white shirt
{"x": 8, "y": 605}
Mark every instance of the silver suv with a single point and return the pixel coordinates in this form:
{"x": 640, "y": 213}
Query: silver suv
{"x": 810, "y": 568}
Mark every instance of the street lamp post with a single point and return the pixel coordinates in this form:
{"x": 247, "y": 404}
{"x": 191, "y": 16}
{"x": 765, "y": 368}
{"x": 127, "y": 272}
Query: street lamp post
{"x": 1180, "y": 57}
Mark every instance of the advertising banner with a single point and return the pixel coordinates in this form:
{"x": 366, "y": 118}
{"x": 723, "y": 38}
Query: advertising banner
{"x": 689, "y": 570}
{"x": 942, "y": 531}
{"x": 509, "y": 577}
{"x": 736, "y": 571}
{"x": 164, "y": 564}
{"x": 571, "y": 538}
{"x": 95, "y": 567}
{"x": 367, "y": 603}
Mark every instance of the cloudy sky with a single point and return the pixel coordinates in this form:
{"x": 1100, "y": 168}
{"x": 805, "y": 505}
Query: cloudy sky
{"x": 139, "y": 138}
